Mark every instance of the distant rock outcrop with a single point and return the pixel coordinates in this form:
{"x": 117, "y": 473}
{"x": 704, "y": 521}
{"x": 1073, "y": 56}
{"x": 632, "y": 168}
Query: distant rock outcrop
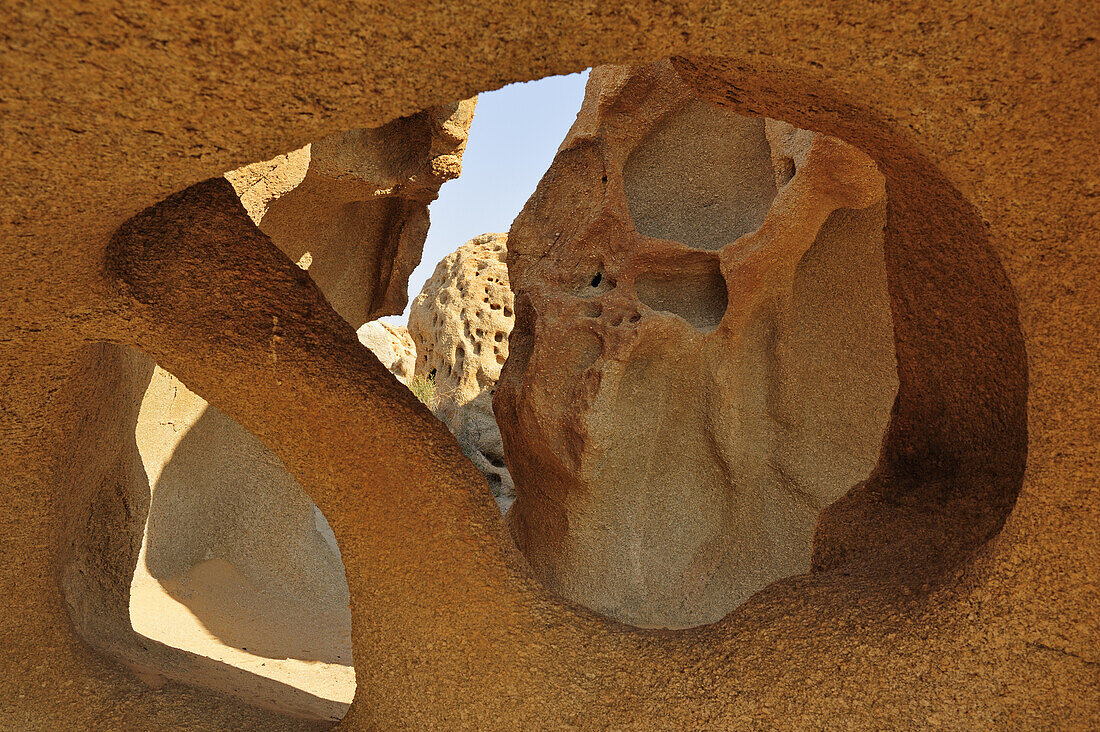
{"x": 703, "y": 356}
{"x": 460, "y": 323}
{"x": 392, "y": 345}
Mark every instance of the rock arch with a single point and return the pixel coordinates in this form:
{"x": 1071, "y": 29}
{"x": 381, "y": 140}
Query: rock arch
{"x": 936, "y": 130}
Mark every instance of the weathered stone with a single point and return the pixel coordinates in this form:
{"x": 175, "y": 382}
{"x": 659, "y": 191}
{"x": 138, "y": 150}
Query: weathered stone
{"x": 393, "y": 346}
{"x": 233, "y": 543}
{"x": 236, "y": 562}
{"x": 460, "y": 323}
{"x": 983, "y": 123}
{"x": 704, "y": 356}
{"x": 352, "y": 209}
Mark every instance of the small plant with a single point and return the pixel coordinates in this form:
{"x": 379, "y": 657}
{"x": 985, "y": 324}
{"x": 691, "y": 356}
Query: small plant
{"x": 423, "y": 388}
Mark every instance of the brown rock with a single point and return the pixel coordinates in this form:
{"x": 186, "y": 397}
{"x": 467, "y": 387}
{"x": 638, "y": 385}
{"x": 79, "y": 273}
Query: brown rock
{"x": 983, "y": 123}
{"x": 460, "y": 323}
{"x": 702, "y": 362}
{"x": 352, "y": 209}
{"x": 236, "y": 562}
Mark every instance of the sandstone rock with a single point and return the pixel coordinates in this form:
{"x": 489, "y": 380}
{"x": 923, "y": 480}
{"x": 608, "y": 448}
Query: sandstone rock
{"x": 460, "y": 323}
{"x": 111, "y": 111}
{"x": 236, "y": 563}
{"x": 703, "y": 356}
{"x": 393, "y": 346}
{"x": 352, "y": 208}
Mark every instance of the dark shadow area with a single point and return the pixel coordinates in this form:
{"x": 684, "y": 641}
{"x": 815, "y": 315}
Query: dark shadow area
{"x": 695, "y": 291}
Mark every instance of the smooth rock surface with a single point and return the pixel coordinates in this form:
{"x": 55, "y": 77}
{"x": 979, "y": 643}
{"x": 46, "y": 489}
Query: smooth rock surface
{"x": 704, "y": 358}
{"x": 234, "y": 564}
{"x": 352, "y": 208}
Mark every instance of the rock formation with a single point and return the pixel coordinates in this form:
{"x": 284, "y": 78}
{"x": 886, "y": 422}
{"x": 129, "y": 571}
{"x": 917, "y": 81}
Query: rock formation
{"x": 956, "y": 588}
{"x": 460, "y": 323}
{"x": 352, "y": 208}
{"x": 232, "y": 540}
{"x": 236, "y": 562}
{"x": 393, "y": 346}
{"x": 703, "y": 358}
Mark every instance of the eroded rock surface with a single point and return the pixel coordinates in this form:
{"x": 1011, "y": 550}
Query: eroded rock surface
{"x": 236, "y": 563}
{"x": 703, "y": 356}
{"x": 352, "y": 208}
{"x": 393, "y": 346}
{"x": 460, "y": 324}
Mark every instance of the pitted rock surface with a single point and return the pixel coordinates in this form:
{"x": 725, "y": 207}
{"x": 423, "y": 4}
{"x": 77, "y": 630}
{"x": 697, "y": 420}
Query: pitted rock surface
{"x": 460, "y": 323}
{"x": 393, "y": 346}
{"x": 703, "y": 358}
{"x": 352, "y": 208}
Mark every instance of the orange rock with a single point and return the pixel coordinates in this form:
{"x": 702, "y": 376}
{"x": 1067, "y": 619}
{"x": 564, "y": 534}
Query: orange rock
{"x": 703, "y": 361}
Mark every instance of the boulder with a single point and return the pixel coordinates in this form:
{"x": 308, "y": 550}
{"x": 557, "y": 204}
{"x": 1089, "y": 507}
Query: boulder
{"x": 460, "y": 324}
{"x": 393, "y": 346}
{"x": 703, "y": 357}
{"x": 352, "y": 208}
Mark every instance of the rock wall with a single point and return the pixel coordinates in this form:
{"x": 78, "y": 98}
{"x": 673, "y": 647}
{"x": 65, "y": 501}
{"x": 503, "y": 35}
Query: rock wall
{"x": 704, "y": 356}
{"x": 233, "y": 546}
{"x": 236, "y": 562}
{"x": 460, "y": 324}
{"x": 352, "y": 208}
{"x": 112, "y": 118}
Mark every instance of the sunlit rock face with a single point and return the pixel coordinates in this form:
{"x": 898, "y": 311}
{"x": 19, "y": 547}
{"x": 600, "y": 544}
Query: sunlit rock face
{"x": 703, "y": 355}
{"x": 236, "y": 563}
{"x": 392, "y": 345}
{"x": 460, "y": 323}
{"x": 352, "y": 208}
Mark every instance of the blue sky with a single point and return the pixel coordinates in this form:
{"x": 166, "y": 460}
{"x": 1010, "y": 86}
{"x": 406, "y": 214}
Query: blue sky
{"x": 514, "y": 136}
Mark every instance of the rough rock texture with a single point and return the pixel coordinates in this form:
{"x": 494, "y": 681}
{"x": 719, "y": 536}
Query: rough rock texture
{"x": 703, "y": 362}
{"x": 352, "y": 208}
{"x": 460, "y": 323}
{"x": 233, "y": 543}
{"x": 983, "y": 123}
{"x": 393, "y": 346}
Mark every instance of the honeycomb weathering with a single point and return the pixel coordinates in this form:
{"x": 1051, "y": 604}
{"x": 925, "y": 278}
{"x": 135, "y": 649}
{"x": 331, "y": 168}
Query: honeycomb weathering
{"x": 460, "y": 324}
{"x": 986, "y": 251}
{"x": 392, "y": 345}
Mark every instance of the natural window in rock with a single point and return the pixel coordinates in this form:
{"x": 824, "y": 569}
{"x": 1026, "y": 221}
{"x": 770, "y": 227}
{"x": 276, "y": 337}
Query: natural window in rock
{"x": 678, "y": 362}
{"x": 237, "y": 564}
{"x": 452, "y": 341}
{"x": 706, "y": 356}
